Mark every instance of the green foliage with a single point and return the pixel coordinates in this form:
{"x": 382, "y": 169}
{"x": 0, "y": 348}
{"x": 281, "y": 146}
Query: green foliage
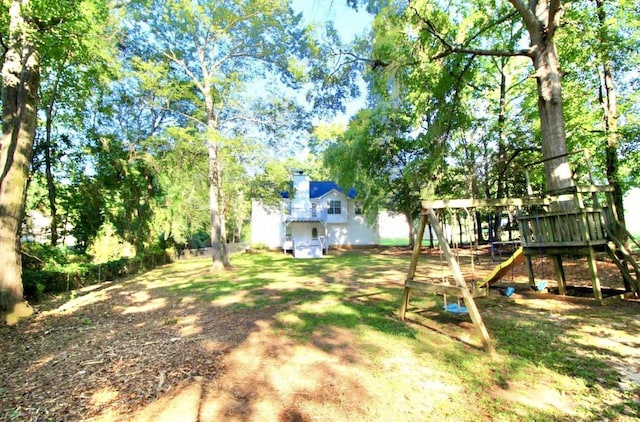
{"x": 217, "y": 65}
{"x": 61, "y": 271}
{"x": 184, "y": 186}
{"x": 484, "y": 109}
{"x": 198, "y": 240}
{"x": 108, "y": 245}
{"x": 587, "y": 45}
{"x": 77, "y": 47}
{"x": 428, "y": 129}
{"x": 37, "y": 256}
{"x": 379, "y": 156}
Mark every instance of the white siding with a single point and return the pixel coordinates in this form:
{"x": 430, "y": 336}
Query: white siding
{"x": 394, "y": 225}
{"x": 266, "y": 225}
{"x": 360, "y": 232}
{"x": 343, "y": 217}
{"x": 631, "y": 206}
{"x": 301, "y": 232}
{"x": 355, "y": 232}
{"x": 345, "y": 229}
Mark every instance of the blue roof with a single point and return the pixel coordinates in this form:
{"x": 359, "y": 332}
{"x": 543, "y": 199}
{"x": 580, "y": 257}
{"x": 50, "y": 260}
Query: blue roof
{"x": 318, "y": 189}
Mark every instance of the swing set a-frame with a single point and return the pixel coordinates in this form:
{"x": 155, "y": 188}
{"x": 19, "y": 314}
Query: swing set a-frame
{"x": 587, "y": 228}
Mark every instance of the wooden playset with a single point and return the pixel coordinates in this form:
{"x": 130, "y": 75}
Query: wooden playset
{"x": 587, "y": 227}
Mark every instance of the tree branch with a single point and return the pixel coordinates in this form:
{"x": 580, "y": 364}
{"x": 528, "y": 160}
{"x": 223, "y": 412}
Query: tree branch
{"x": 450, "y": 48}
{"x": 516, "y": 152}
{"x": 373, "y": 63}
{"x": 493, "y": 24}
{"x": 481, "y": 52}
{"x": 530, "y": 20}
{"x": 555, "y": 15}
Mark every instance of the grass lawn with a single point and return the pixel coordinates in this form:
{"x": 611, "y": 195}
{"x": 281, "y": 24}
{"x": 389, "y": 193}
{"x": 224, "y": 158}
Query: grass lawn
{"x": 402, "y": 241}
{"x": 279, "y": 339}
{"x": 394, "y": 241}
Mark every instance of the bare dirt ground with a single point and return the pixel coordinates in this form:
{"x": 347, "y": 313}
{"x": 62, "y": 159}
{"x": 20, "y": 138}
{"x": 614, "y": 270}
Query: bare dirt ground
{"x": 134, "y": 350}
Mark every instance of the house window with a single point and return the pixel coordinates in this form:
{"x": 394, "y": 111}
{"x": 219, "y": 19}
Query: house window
{"x": 314, "y": 211}
{"x": 358, "y": 208}
{"x": 314, "y": 233}
{"x": 335, "y": 207}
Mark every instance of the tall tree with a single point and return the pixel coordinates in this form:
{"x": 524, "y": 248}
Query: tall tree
{"x": 71, "y": 78}
{"x": 31, "y": 30}
{"x": 608, "y": 34}
{"x": 20, "y": 81}
{"x": 183, "y": 178}
{"x": 467, "y": 28}
{"x": 219, "y": 48}
{"x": 600, "y": 47}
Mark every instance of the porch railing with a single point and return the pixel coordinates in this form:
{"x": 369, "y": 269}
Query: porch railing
{"x": 563, "y": 229}
{"x": 308, "y": 214}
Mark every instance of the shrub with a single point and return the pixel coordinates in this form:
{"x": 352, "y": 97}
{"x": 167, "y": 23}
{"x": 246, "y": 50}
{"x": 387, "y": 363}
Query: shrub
{"x": 53, "y": 279}
{"x": 38, "y": 256}
{"x": 109, "y": 246}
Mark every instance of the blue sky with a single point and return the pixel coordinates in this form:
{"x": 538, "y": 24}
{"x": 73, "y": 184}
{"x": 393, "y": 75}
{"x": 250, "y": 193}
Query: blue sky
{"x": 346, "y": 20}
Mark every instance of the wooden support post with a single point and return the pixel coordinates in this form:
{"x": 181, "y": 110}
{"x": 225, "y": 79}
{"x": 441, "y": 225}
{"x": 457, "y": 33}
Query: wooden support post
{"x": 405, "y": 302}
{"x": 591, "y": 258}
{"x": 529, "y": 264}
{"x": 560, "y": 276}
{"x": 446, "y": 250}
{"x": 412, "y": 267}
{"x": 626, "y": 258}
{"x": 459, "y": 278}
{"x": 593, "y": 269}
{"x": 470, "y": 303}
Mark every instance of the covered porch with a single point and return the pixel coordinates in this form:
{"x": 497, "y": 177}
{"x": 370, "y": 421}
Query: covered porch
{"x": 305, "y": 236}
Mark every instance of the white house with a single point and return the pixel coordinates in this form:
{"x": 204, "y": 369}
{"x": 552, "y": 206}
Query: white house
{"x": 317, "y": 216}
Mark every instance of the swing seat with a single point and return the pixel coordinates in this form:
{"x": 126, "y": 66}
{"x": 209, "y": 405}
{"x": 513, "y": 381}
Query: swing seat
{"x": 508, "y": 291}
{"x": 455, "y": 308}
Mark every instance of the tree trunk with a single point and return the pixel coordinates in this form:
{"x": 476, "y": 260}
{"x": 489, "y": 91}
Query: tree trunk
{"x": 609, "y": 101}
{"x": 218, "y": 242}
{"x": 554, "y": 142}
{"x": 51, "y": 186}
{"x": 409, "y": 218}
{"x": 478, "y": 226}
{"x": 542, "y": 19}
{"x": 20, "y": 78}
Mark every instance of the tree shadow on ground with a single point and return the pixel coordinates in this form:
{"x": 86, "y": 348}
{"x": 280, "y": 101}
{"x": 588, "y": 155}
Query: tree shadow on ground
{"x": 122, "y": 346}
{"x": 278, "y": 338}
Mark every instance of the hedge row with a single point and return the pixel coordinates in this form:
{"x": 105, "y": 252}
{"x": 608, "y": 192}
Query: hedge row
{"x": 38, "y": 283}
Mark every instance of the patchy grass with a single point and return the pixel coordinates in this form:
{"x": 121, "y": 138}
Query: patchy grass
{"x": 285, "y": 339}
